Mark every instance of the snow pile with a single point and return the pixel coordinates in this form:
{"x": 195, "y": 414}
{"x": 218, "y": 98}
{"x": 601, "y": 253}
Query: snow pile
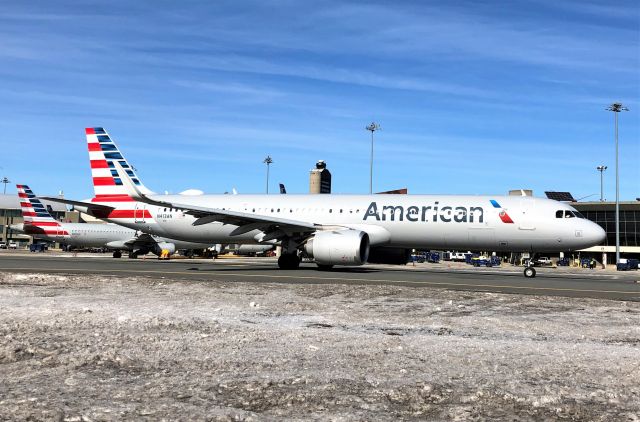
{"x": 114, "y": 348}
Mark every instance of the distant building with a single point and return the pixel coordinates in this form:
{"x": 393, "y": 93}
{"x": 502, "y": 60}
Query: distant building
{"x": 320, "y": 178}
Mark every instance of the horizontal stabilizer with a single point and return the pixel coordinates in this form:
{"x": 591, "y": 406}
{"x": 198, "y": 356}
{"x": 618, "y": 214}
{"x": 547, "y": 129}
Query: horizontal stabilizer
{"x": 92, "y": 209}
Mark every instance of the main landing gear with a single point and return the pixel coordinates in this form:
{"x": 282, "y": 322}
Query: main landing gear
{"x": 289, "y": 261}
{"x": 117, "y": 254}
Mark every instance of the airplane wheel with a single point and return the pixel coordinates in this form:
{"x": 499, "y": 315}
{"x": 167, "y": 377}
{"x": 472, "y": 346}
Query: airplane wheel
{"x": 288, "y": 261}
{"x": 133, "y": 255}
{"x": 324, "y": 267}
{"x": 117, "y": 254}
{"x": 529, "y": 272}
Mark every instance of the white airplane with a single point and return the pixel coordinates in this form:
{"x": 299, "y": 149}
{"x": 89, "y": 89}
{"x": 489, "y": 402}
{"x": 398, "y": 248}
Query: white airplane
{"x": 39, "y": 223}
{"x": 334, "y": 229}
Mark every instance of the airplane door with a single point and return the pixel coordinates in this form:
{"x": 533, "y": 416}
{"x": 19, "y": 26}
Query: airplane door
{"x": 527, "y": 209}
{"x": 138, "y": 213}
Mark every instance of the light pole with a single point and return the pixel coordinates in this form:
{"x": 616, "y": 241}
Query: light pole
{"x": 5, "y": 181}
{"x": 372, "y": 128}
{"x": 601, "y": 169}
{"x": 268, "y": 161}
{"x": 617, "y": 108}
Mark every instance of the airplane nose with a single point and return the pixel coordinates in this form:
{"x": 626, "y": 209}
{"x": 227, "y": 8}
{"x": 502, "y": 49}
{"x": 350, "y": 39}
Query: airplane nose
{"x": 596, "y": 233}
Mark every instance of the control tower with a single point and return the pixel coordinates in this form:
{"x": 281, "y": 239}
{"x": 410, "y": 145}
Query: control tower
{"x": 320, "y": 178}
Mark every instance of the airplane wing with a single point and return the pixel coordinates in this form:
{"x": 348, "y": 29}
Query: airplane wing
{"x": 272, "y": 227}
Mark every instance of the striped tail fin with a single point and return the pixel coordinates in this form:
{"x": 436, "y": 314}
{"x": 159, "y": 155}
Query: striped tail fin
{"x": 36, "y": 217}
{"x": 102, "y": 153}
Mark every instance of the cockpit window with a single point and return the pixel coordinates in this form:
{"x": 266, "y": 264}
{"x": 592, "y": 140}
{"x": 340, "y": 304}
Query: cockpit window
{"x": 568, "y": 214}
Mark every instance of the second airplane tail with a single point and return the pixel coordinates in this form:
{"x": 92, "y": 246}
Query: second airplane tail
{"x": 36, "y": 217}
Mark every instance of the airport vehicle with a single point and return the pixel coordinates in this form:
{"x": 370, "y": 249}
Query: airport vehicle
{"x": 39, "y": 223}
{"x": 454, "y": 256}
{"x": 544, "y": 260}
{"x": 627, "y": 264}
{"x": 333, "y": 229}
{"x": 37, "y": 247}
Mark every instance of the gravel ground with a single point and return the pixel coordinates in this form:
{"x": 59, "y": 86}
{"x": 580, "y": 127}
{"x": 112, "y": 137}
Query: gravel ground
{"x": 105, "y": 348}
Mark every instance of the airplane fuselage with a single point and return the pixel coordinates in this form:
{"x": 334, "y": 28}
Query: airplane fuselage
{"x": 451, "y": 222}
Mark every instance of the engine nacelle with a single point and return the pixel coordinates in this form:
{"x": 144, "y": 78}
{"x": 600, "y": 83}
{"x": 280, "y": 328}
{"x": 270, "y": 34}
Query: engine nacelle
{"x": 252, "y": 249}
{"x": 392, "y": 256}
{"x": 164, "y": 245}
{"x": 338, "y": 247}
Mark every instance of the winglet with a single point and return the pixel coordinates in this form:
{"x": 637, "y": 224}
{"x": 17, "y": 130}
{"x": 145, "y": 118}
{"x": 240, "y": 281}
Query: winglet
{"x": 131, "y": 188}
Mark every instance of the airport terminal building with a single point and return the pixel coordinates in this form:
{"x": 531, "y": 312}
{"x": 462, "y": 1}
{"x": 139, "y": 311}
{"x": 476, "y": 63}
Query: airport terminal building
{"x": 604, "y": 214}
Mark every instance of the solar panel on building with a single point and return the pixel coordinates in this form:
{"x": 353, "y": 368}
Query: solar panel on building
{"x": 560, "y": 196}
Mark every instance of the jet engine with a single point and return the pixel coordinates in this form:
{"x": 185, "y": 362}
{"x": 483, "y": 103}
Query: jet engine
{"x": 338, "y": 247}
{"x": 392, "y": 256}
{"x": 164, "y": 245}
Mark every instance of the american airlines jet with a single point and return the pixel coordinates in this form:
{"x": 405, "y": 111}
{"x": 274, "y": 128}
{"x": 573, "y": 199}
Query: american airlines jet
{"x": 334, "y": 229}
{"x": 39, "y": 223}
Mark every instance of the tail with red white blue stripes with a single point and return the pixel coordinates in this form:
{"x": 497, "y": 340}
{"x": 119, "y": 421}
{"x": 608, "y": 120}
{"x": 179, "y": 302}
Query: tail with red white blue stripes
{"x": 37, "y": 220}
{"x": 103, "y": 152}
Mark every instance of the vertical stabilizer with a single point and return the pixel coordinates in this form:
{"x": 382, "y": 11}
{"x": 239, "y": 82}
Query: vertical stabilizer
{"x": 36, "y": 217}
{"x": 103, "y": 152}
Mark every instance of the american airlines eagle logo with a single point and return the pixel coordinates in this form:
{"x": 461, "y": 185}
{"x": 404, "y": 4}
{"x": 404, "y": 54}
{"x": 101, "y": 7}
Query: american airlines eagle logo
{"x": 503, "y": 214}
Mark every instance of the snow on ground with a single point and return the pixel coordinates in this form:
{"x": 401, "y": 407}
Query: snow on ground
{"x": 104, "y": 348}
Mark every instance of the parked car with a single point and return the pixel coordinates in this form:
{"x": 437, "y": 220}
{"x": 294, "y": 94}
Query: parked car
{"x": 13, "y": 245}
{"x": 544, "y": 260}
{"x": 627, "y": 264}
{"x": 3, "y": 245}
{"x": 38, "y": 247}
{"x": 418, "y": 257}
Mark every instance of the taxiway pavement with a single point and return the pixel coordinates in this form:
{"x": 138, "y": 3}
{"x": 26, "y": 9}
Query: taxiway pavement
{"x": 507, "y": 279}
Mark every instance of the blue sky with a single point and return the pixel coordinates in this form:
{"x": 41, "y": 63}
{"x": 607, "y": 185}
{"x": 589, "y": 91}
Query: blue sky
{"x": 473, "y": 97}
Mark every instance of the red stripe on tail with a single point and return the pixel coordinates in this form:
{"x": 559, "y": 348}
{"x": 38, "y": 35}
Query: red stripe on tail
{"x": 113, "y": 198}
{"x": 99, "y": 164}
{"x": 103, "y": 181}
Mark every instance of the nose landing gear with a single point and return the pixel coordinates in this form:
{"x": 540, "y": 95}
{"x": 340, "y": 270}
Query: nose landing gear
{"x": 529, "y": 271}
